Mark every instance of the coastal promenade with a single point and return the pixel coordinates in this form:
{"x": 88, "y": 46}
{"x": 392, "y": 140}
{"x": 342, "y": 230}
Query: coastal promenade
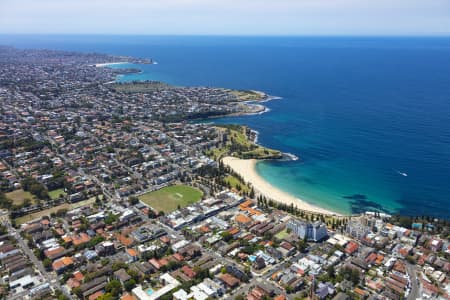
{"x": 247, "y": 169}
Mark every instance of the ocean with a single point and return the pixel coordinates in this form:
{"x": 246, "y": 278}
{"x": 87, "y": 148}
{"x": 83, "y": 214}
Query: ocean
{"x": 369, "y": 117}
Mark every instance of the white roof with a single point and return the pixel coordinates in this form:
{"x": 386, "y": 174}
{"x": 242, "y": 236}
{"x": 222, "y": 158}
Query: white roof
{"x": 206, "y": 289}
{"x": 179, "y": 245}
{"x": 22, "y": 281}
{"x": 171, "y": 283}
{"x": 180, "y": 295}
{"x": 197, "y": 294}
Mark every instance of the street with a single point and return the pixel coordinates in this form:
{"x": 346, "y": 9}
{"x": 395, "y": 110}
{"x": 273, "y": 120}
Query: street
{"x": 49, "y": 277}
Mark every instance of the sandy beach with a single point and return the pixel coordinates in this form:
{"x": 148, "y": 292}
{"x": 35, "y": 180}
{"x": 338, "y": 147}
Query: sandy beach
{"x": 246, "y": 168}
{"x": 111, "y": 63}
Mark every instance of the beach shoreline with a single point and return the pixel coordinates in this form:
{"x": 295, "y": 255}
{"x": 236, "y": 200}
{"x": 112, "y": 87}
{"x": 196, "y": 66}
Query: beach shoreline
{"x": 110, "y": 64}
{"x": 247, "y": 169}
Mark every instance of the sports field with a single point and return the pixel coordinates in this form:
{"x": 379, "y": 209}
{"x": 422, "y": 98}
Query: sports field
{"x": 170, "y": 198}
{"x": 54, "y": 209}
{"x": 19, "y": 196}
{"x": 56, "y": 193}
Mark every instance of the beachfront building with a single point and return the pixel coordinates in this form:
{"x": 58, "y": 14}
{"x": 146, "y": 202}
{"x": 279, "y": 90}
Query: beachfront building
{"x": 169, "y": 283}
{"x": 310, "y": 231}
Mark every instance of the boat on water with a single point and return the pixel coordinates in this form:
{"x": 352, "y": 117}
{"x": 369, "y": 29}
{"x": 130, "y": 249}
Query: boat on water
{"x": 401, "y": 173}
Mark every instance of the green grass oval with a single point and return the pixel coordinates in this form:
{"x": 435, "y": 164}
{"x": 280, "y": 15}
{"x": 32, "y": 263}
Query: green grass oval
{"x": 170, "y": 198}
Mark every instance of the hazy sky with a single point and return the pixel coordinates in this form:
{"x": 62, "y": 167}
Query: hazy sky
{"x": 230, "y": 17}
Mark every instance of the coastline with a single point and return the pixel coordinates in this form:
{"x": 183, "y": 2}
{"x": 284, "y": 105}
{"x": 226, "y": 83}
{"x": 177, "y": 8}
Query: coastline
{"x": 247, "y": 169}
{"x": 110, "y": 64}
{"x": 252, "y": 107}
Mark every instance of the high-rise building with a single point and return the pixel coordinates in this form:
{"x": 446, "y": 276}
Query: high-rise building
{"x": 314, "y": 232}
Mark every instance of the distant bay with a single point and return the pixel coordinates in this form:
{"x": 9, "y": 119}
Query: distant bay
{"x": 368, "y": 117}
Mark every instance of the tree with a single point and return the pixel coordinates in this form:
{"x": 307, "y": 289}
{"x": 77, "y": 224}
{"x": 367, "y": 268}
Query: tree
{"x": 111, "y": 218}
{"x": 134, "y": 274}
{"x": 5, "y": 202}
{"x": 355, "y": 276}
{"x": 114, "y": 287}
{"x": 60, "y": 296}
{"x": 172, "y": 265}
{"x": 39, "y": 253}
{"x": 411, "y": 259}
{"x": 97, "y": 200}
{"x": 151, "y": 214}
{"x": 405, "y": 222}
{"x": 77, "y": 291}
{"x": 35, "y": 187}
{"x": 331, "y": 272}
{"x": 129, "y": 285}
{"x": 226, "y": 236}
{"x": 61, "y": 212}
{"x": 26, "y": 202}
{"x": 252, "y": 193}
{"x": 47, "y": 263}
{"x": 268, "y": 235}
{"x": 119, "y": 265}
{"x": 288, "y": 289}
{"x": 302, "y": 245}
{"x": 133, "y": 200}
{"x": 201, "y": 273}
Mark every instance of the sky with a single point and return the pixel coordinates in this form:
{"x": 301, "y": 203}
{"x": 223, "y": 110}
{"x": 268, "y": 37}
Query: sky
{"x": 226, "y": 17}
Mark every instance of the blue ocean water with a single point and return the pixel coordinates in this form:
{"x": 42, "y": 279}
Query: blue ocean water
{"x": 361, "y": 113}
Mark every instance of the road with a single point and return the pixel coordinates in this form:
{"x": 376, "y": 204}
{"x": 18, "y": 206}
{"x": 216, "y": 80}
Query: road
{"x": 415, "y": 288}
{"x": 255, "y": 281}
{"x": 51, "y": 278}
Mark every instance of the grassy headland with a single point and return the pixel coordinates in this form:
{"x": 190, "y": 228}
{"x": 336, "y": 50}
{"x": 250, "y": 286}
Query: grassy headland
{"x": 238, "y": 142}
{"x": 248, "y": 95}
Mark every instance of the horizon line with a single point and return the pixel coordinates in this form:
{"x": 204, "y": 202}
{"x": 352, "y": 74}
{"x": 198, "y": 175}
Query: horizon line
{"x": 231, "y": 35}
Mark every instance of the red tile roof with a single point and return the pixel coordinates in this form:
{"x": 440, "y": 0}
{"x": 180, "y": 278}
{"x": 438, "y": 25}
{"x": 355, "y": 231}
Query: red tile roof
{"x": 229, "y": 280}
{"x": 82, "y": 238}
{"x": 54, "y": 251}
{"x": 178, "y": 256}
{"x": 188, "y": 271}
{"x": 78, "y": 275}
{"x": 73, "y": 283}
{"x": 96, "y": 295}
{"x": 243, "y": 219}
{"x": 351, "y": 247}
{"x": 132, "y": 252}
{"x": 128, "y": 297}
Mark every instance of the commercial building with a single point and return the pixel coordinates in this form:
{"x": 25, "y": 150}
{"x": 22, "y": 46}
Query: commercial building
{"x": 314, "y": 232}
